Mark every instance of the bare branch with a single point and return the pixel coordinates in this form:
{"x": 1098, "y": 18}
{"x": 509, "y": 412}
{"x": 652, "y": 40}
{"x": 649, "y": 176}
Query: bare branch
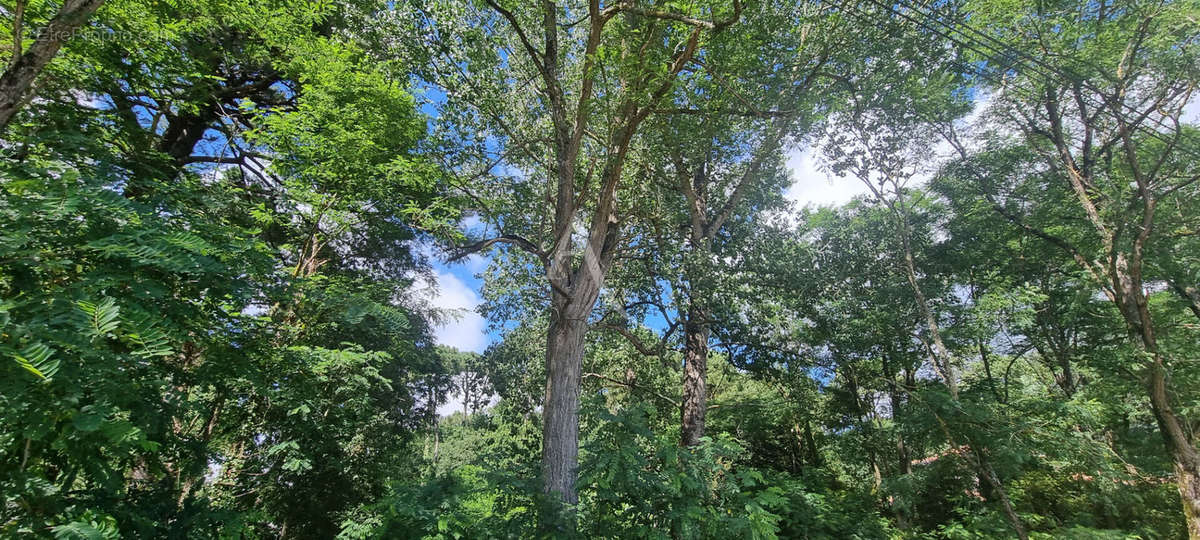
{"x": 748, "y": 113}
{"x": 513, "y": 239}
{"x": 716, "y": 26}
{"x": 238, "y": 160}
{"x": 633, "y": 386}
{"x": 666, "y": 15}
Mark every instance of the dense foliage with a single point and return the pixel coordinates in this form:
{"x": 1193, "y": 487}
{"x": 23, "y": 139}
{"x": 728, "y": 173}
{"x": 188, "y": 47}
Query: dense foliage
{"x": 217, "y": 218}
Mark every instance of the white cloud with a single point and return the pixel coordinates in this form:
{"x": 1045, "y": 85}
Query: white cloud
{"x": 811, "y": 185}
{"x": 1191, "y": 112}
{"x": 476, "y": 263}
{"x": 453, "y": 404}
{"x": 463, "y": 328}
{"x": 89, "y": 99}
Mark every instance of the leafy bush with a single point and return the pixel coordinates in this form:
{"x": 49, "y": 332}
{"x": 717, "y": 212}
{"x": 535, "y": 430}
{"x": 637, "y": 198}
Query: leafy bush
{"x": 633, "y": 484}
{"x": 636, "y": 483}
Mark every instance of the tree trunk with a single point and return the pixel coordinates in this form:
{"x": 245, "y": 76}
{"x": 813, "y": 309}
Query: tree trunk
{"x": 695, "y": 372}
{"x": 1067, "y": 382}
{"x": 18, "y": 79}
{"x": 1189, "y": 492}
{"x": 560, "y": 434}
{"x": 904, "y": 462}
{"x": 814, "y": 452}
{"x": 1183, "y": 453}
{"x": 185, "y": 130}
{"x": 1179, "y": 445}
{"x": 1189, "y": 294}
{"x": 1129, "y": 293}
{"x": 942, "y": 361}
{"x": 989, "y": 475}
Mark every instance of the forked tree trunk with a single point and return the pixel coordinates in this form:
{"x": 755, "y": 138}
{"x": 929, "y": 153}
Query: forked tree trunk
{"x": 695, "y": 370}
{"x": 574, "y": 289}
{"x": 18, "y": 78}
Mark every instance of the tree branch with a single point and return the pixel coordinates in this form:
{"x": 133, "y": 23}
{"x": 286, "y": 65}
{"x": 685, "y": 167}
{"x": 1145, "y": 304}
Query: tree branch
{"x": 538, "y": 58}
{"x": 748, "y": 113}
{"x": 464, "y": 251}
{"x": 633, "y": 386}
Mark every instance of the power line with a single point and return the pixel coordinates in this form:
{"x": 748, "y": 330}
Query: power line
{"x": 1044, "y": 78}
{"x": 1000, "y": 46}
{"x": 990, "y": 53}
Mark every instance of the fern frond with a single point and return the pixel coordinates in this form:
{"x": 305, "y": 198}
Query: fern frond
{"x": 189, "y": 242}
{"x": 396, "y": 319}
{"x": 4, "y": 316}
{"x": 179, "y": 252}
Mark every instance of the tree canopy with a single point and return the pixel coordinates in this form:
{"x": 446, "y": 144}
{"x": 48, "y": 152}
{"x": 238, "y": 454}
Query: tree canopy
{"x": 217, "y": 219}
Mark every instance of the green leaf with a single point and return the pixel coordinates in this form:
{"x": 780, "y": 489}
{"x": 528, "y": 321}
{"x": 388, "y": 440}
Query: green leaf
{"x": 102, "y": 318}
{"x": 297, "y": 465}
{"x": 88, "y": 419}
{"x": 148, "y": 340}
{"x": 37, "y": 358}
{"x": 90, "y": 530}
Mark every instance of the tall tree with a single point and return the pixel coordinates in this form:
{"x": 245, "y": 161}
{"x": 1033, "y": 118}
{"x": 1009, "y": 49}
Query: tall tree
{"x": 231, "y": 340}
{"x": 596, "y": 80}
{"x": 1099, "y": 99}
{"x": 885, "y": 142}
{"x": 715, "y": 161}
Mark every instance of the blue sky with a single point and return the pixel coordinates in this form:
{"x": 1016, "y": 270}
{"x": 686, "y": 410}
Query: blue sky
{"x": 458, "y": 285}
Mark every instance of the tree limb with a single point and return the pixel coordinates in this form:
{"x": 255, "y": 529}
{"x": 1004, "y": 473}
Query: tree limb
{"x": 516, "y": 240}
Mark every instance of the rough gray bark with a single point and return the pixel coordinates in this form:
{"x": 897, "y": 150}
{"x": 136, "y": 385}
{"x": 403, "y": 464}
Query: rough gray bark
{"x": 1118, "y": 269}
{"x": 695, "y": 371}
{"x": 1128, "y": 289}
{"x": 576, "y": 270}
{"x": 706, "y": 219}
{"x": 575, "y": 287}
{"x": 24, "y": 68}
{"x": 1123, "y": 268}
{"x": 560, "y": 431}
